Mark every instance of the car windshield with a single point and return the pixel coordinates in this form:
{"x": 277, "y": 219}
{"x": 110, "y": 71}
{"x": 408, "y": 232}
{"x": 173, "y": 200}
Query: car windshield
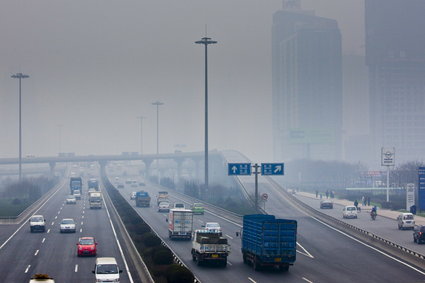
{"x": 164, "y": 203}
{"x": 179, "y": 205}
{"x": 212, "y": 225}
{"x": 37, "y": 219}
{"x": 67, "y": 221}
{"x": 408, "y": 217}
{"x": 106, "y": 269}
{"x": 71, "y": 197}
{"x": 86, "y": 241}
{"x": 351, "y": 208}
{"x": 197, "y": 205}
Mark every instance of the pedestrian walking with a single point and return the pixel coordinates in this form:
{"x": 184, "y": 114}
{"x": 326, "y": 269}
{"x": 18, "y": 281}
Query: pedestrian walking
{"x": 363, "y": 200}
{"x": 356, "y": 203}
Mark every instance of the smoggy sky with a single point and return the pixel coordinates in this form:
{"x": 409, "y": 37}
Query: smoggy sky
{"x": 96, "y": 65}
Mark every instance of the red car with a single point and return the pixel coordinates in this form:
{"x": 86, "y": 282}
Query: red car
{"x": 86, "y": 246}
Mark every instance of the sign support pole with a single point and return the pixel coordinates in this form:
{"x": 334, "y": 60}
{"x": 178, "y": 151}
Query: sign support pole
{"x": 256, "y": 166}
{"x": 388, "y": 183}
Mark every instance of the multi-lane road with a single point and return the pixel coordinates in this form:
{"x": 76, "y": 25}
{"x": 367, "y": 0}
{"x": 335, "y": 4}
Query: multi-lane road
{"x": 23, "y": 253}
{"x": 324, "y": 253}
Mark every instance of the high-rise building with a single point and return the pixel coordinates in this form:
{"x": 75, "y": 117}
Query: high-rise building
{"x": 307, "y": 85}
{"x": 395, "y": 56}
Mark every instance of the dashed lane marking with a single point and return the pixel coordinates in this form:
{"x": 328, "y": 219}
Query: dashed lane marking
{"x": 82, "y": 222}
{"x": 44, "y": 239}
{"x": 82, "y": 216}
{"x": 252, "y": 280}
{"x": 76, "y": 268}
{"x": 305, "y": 279}
{"x": 56, "y": 217}
{"x": 48, "y": 231}
{"x": 81, "y": 230}
{"x": 28, "y": 268}
{"x": 36, "y": 252}
{"x": 53, "y": 223}
{"x": 230, "y": 237}
{"x": 229, "y": 263}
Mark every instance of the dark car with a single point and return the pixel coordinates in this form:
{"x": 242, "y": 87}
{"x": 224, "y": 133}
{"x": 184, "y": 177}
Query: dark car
{"x": 326, "y": 204}
{"x": 419, "y": 234}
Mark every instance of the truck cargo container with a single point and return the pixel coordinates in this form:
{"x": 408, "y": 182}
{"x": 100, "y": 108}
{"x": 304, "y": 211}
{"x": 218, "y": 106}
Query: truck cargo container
{"x": 180, "y": 223}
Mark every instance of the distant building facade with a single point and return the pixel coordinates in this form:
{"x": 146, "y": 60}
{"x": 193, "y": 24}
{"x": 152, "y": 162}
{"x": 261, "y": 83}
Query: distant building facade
{"x": 307, "y": 85}
{"x": 395, "y": 56}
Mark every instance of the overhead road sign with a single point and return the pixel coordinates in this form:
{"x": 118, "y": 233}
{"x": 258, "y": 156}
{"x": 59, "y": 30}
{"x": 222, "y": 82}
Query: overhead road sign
{"x": 272, "y": 168}
{"x": 239, "y": 169}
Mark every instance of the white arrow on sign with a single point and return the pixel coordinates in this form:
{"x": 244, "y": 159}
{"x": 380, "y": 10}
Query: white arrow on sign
{"x": 234, "y": 169}
{"x": 278, "y": 169}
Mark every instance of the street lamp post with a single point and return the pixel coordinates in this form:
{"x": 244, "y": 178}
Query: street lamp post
{"x": 20, "y": 76}
{"x": 157, "y": 103}
{"x": 206, "y": 41}
{"x": 141, "y": 133}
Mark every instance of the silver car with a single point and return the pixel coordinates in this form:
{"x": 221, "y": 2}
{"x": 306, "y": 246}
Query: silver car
{"x": 67, "y": 225}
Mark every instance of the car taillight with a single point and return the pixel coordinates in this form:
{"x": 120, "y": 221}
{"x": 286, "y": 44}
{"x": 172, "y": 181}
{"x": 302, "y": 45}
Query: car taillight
{"x": 420, "y": 233}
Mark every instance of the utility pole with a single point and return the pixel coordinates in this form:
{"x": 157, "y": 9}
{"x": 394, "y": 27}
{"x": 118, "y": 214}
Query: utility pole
{"x": 206, "y": 41}
{"x": 157, "y": 103}
{"x": 141, "y": 133}
{"x": 20, "y": 76}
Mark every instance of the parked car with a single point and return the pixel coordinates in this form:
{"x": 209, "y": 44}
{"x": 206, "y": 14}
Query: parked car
{"x": 106, "y": 270}
{"x": 419, "y": 234}
{"x": 86, "y": 246}
{"x": 405, "y": 221}
{"x": 71, "y": 199}
{"x": 350, "y": 211}
{"x": 326, "y": 204}
{"x": 212, "y": 226}
{"x": 67, "y": 225}
{"x": 198, "y": 208}
{"x": 133, "y": 195}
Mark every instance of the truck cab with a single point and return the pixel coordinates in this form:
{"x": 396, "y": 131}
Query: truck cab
{"x": 210, "y": 247}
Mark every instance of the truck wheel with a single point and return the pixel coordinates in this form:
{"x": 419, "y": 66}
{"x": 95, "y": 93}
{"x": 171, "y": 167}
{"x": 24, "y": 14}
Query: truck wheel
{"x": 255, "y": 264}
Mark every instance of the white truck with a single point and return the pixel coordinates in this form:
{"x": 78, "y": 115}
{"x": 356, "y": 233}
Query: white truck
{"x": 180, "y": 224}
{"x": 95, "y": 200}
{"x": 210, "y": 246}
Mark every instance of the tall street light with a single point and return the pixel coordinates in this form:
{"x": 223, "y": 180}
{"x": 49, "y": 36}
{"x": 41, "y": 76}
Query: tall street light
{"x": 20, "y": 76}
{"x": 206, "y": 41}
{"x": 157, "y": 103}
{"x": 141, "y": 133}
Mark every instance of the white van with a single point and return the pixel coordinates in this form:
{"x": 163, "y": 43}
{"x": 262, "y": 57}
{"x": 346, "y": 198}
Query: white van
{"x": 406, "y": 221}
{"x": 106, "y": 270}
{"x": 350, "y": 211}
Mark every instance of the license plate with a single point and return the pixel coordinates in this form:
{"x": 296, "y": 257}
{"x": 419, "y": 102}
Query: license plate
{"x": 278, "y": 259}
{"x": 214, "y": 256}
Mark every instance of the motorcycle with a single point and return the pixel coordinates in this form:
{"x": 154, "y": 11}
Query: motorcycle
{"x": 373, "y": 215}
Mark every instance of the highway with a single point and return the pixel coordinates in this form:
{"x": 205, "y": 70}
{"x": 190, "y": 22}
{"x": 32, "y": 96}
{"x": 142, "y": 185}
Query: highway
{"x": 324, "y": 254}
{"x": 53, "y": 252}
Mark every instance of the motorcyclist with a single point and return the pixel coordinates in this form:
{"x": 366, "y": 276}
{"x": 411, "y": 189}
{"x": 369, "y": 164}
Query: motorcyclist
{"x": 374, "y": 212}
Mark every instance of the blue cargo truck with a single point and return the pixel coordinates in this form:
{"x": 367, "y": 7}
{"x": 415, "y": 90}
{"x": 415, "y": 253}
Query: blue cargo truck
{"x": 267, "y": 241}
{"x": 76, "y": 183}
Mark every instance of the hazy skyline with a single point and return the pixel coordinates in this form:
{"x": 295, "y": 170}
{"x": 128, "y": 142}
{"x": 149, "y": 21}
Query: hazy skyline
{"x": 96, "y": 66}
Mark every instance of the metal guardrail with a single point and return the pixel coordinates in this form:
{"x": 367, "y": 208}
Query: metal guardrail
{"x": 176, "y": 258}
{"x": 397, "y": 250}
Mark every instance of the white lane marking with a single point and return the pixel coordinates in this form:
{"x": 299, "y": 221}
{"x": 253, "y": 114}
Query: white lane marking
{"x": 229, "y": 237}
{"x": 76, "y": 268}
{"x": 28, "y": 268}
{"x": 82, "y": 216}
{"x": 306, "y": 253}
{"x": 369, "y": 246}
{"x": 36, "y": 252}
{"x": 118, "y": 243}
{"x": 59, "y": 212}
{"x": 53, "y": 223}
{"x": 252, "y": 280}
{"x": 229, "y": 263}
{"x": 305, "y": 279}
{"x": 83, "y": 211}
{"x": 48, "y": 231}
{"x": 81, "y": 230}
{"x": 25, "y": 222}
{"x": 82, "y": 222}
{"x": 44, "y": 239}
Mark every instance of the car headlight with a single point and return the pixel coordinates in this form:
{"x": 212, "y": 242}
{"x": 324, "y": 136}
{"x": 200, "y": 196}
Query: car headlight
{"x": 80, "y": 248}
{"x": 92, "y": 248}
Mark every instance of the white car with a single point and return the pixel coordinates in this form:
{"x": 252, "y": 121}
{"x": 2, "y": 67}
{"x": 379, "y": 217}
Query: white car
{"x": 350, "y": 211}
{"x": 106, "y": 270}
{"x": 212, "y": 226}
{"x": 71, "y": 199}
{"x": 77, "y": 194}
{"x": 164, "y": 206}
{"x": 67, "y": 225}
{"x": 406, "y": 221}
{"x": 179, "y": 205}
